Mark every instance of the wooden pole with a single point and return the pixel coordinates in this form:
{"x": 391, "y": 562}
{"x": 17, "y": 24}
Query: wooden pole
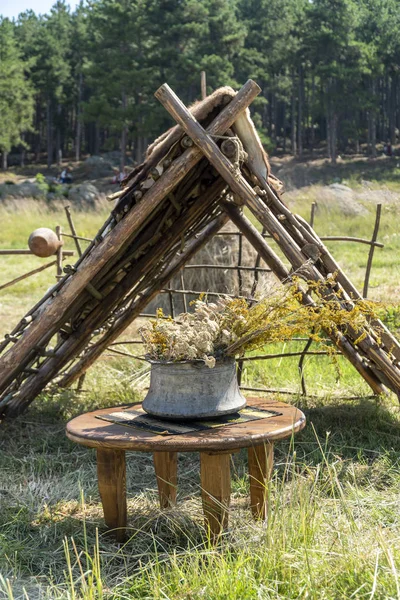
{"x": 59, "y": 254}
{"x": 372, "y": 249}
{"x": 29, "y": 274}
{"x": 12, "y": 252}
{"x": 112, "y": 245}
{"x": 73, "y": 230}
{"x": 255, "y": 239}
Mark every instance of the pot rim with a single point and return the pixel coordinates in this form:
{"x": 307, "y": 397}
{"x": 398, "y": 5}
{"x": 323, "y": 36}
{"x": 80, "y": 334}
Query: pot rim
{"x": 193, "y": 361}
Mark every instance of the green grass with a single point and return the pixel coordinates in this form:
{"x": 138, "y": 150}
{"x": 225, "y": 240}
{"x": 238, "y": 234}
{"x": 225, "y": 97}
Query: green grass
{"x": 333, "y": 530}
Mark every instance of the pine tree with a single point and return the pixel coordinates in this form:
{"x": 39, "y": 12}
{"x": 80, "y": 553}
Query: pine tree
{"x": 336, "y": 58}
{"x": 16, "y": 97}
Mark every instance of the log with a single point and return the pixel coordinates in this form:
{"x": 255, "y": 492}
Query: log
{"x": 256, "y": 240}
{"x": 229, "y": 172}
{"x": 116, "y": 241}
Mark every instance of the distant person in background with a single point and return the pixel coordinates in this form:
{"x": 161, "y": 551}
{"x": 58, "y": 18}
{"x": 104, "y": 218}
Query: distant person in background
{"x": 118, "y": 177}
{"x": 387, "y": 149}
{"x": 66, "y": 176}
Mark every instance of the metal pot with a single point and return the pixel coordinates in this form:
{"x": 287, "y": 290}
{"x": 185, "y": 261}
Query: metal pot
{"x": 191, "y": 390}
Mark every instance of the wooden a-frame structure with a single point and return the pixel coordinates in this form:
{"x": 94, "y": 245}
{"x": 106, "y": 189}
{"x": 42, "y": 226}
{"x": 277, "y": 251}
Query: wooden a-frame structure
{"x": 195, "y": 178}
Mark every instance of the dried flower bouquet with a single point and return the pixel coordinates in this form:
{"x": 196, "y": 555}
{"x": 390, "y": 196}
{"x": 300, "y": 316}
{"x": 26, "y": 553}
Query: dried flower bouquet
{"x": 231, "y": 327}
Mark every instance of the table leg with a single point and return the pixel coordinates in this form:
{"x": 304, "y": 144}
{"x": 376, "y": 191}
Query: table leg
{"x": 215, "y": 480}
{"x": 165, "y": 464}
{"x": 111, "y": 473}
{"x": 261, "y": 460}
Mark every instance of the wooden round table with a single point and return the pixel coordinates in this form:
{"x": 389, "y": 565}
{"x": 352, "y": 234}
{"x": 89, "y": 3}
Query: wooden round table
{"x": 215, "y": 446}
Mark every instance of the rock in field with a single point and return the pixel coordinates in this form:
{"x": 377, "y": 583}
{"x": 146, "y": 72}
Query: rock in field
{"x": 84, "y": 195}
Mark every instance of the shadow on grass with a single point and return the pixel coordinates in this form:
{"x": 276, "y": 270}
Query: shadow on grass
{"x": 356, "y": 426}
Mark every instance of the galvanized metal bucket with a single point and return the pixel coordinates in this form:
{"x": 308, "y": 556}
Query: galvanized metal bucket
{"x": 191, "y": 390}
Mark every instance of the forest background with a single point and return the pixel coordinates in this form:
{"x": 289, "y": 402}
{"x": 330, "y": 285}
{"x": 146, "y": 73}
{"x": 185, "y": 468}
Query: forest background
{"x": 82, "y": 82}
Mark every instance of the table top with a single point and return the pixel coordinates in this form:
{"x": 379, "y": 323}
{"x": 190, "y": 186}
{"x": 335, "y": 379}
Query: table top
{"x": 96, "y": 433}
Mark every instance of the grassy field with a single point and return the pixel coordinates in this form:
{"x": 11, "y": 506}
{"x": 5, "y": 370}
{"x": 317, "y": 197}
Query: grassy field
{"x": 333, "y": 530}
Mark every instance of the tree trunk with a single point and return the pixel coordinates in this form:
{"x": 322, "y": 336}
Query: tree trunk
{"x": 274, "y": 118}
{"x": 372, "y": 133}
{"x": 58, "y": 136}
{"x": 331, "y": 121}
{"x": 300, "y": 113}
{"x": 123, "y": 134}
{"x": 78, "y": 133}
{"x": 4, "y": 160}
{"x": 334, "y": 122}
{"x": 39, "y": 129}
{"x": 139, "y": 149}
{"x": 312, "y": 114}
{"x": 328, "y": 126}
{"x": 372, "y": 123}
{"x": 392, "y": 109}
{"x": 96, "y": 139}
{"x": 293, "y": 125}
{"x": 49, "y": 122}
{"x": 38, "y": 145}
{"x": 269, "y": 117}
{"x": 284, "y": 127}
